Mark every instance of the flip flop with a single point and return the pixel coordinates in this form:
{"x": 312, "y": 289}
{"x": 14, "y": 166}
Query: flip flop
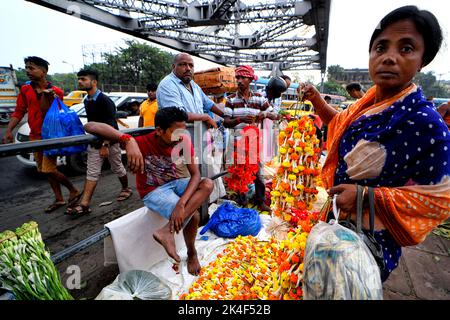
{"x": 124, "y": 194}
{"x": 78, "y": 211}
{"x": 55, "y": 205}
{"x": 74, "y": 200}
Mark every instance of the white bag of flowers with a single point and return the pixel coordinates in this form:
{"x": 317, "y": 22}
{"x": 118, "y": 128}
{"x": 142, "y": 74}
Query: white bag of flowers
{"x": 338, "y": 265}
{"x": 136, "y": 285}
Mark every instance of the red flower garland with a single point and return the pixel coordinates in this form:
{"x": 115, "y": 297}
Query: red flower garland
{"x": 242, "y": 174}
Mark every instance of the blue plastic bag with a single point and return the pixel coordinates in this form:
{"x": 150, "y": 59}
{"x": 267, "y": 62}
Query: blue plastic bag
{"x": 229, "y": 221}
{"x": 60, "y": 121}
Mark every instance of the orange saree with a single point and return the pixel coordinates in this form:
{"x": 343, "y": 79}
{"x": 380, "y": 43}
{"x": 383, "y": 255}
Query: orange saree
{"x": 408, "y": 212}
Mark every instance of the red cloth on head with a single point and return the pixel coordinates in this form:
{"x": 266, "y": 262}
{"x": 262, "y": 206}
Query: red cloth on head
{"x": 245, "y": 71}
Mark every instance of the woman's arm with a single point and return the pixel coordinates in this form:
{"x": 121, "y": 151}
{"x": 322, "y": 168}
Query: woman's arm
{"x": 308, "y": 92}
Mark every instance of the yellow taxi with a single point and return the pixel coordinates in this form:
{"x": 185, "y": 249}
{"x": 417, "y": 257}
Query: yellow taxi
{"x": 74, "y": 97}
{"x": 296, "y": 108}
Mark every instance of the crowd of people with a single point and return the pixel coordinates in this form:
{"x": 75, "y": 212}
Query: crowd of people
{"x": 391, "y": 139}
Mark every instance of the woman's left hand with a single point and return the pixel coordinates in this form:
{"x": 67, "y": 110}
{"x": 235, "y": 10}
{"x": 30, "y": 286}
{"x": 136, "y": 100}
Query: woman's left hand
{"x": 346, "y": 199}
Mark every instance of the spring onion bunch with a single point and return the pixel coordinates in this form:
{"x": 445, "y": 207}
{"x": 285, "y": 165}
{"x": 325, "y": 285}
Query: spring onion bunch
{"x": 26, "y": 268}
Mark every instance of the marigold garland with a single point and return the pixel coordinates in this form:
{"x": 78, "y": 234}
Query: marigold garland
{"x": 294, "y": 186}
{"x": 248, "y": 269}
{"x": 245, "y": 270}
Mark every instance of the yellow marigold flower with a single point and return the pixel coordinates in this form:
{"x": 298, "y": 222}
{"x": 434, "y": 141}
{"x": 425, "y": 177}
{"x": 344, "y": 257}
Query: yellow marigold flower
{"x": 282, "y": 150}
{"x": 290, "y": 199}
{"x": 285, "y": 283}
{"x": 302, "y": 245}
{"x": 286, "y": 164}
{"x": 275, "y": 193}
{"x": 292, "y": 177}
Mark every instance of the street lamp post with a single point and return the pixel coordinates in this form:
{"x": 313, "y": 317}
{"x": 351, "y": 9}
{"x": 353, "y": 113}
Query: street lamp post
{"x": 73, "y": 70}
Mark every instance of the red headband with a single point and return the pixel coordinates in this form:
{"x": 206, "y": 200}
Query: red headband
{"x": 245, "y": 71}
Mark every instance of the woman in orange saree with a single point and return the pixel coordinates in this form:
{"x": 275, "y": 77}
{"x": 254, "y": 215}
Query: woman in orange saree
{"x": 392, "y": 139}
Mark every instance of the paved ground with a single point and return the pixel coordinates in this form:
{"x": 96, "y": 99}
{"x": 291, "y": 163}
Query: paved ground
{"x": 423, "y": 273}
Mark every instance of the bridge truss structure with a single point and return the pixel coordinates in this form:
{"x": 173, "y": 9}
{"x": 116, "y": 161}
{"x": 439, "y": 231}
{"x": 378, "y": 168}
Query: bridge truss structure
{"x": 268, "y": 34}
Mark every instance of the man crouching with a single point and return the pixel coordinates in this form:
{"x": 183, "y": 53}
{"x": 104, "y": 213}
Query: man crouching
{"x": 152, "y": 158}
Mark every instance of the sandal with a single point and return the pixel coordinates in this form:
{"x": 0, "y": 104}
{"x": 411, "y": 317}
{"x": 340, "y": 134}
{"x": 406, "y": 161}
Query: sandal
{"x": 72, "y": 201}
{"x": 124, "y": 194}
{"x": 78, "y": 210}
{"x": 55, "y": 205}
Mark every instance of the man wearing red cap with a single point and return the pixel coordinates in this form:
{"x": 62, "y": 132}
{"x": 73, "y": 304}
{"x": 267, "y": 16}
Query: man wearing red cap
{"x": 247, "y": 107}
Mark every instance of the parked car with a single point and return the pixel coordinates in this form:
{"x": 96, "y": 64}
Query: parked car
{"x": 74, "y": 97}
{"x": 77, "y": 162}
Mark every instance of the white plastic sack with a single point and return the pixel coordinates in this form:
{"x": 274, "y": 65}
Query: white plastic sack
{"x": 136, "y": 285}
{"x": 339, "y": 266}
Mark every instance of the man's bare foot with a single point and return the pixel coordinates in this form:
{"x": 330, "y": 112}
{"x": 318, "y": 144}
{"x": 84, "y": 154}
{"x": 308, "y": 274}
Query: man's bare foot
{"x": 167, "y": 240}
{"x": 193, "y": 264}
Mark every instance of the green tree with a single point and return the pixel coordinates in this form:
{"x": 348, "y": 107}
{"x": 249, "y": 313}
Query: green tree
{"x": 66, "y": 81}
{"x": 136, "y": 64}
{"x": 335, "y": 72}
{"x": 430, "y": 86}
{"x": 332, "y": 87}
{"x": 21, "y": 76}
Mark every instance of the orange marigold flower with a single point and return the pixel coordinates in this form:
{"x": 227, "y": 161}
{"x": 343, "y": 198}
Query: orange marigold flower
{"x": 294, "y": 278}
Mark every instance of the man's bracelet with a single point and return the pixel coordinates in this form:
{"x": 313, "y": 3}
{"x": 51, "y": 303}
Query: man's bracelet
{"x": 238, "y": 120}
{"x": 123, "y": 139}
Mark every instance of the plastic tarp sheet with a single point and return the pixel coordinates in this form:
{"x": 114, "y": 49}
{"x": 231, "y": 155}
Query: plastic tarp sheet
{"x": 131, "y": 244}
{"x": 132, "y": 247}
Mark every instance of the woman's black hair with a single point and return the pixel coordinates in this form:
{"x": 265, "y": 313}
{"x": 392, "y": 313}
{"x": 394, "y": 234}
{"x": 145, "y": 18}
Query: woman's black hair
{"x": 165, "y": 117}
{"x": 425, "y": 22}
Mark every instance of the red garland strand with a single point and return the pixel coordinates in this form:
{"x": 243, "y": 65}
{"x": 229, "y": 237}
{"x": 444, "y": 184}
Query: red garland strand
{"x": 242, "y": 174}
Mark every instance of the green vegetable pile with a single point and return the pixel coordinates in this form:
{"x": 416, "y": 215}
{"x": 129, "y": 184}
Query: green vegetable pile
{"x": 443, "y": 230}
{"x": 26, "y": 268}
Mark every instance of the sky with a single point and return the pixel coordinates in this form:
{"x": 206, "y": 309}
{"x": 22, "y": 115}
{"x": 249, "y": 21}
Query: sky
{"x": 30, "y": 29}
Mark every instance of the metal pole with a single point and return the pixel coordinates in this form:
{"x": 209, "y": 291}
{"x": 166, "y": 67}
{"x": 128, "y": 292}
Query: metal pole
{"x": 12, "y": 149}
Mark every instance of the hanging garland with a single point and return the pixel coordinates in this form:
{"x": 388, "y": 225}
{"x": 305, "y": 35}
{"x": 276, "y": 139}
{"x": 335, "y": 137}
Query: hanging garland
{"x": 243, "y": 174}
{"x": 294, "y": 186}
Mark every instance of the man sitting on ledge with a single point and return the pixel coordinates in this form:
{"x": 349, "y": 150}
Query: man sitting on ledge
{"x": 152, "y": 158}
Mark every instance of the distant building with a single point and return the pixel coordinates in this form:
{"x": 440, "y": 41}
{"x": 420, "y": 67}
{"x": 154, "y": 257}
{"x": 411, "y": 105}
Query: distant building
{"x": 354, "y": 75}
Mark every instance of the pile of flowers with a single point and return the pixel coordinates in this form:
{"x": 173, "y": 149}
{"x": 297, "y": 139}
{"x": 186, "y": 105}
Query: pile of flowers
{"x": 26, "y": 268}
{"x": 245, "y": 270}
{"x": 249, "y": 269}
{"x": 245, "y": 161}
{"x": 294, "y": 185}
{"x": 288, "y": 283}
